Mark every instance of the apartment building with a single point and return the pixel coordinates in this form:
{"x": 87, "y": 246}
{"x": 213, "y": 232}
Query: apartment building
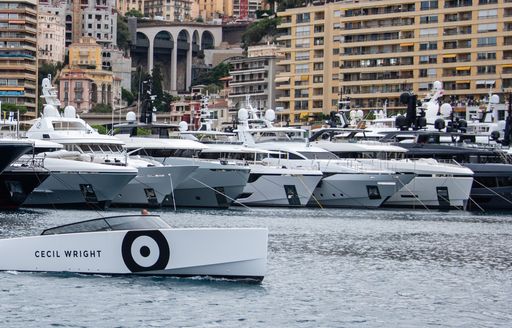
{"x": 169, "y": 10}
{"x": 98, "y": 19}
{"x": 254, "y": 77}
{"x": 245, "y": 9}
{"x": 84, "y": 83}
{"x": 373, "y": 51}
{"x": 50, "y": 38}
{"x": 18, "y": 54}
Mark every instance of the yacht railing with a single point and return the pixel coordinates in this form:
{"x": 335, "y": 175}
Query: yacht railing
{"x": 29, "y": 162}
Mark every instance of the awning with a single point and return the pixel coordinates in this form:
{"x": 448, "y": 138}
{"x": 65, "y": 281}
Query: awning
{"x": 507, "y": 66}
{"x": 450, "y": 56}
{"x": 282, "y": 79}
{"x": 486, "y": 82}
{"x": 465, "y": 81}
{"x": 304, "y": 77}
{"x": 406, "y": 44}
{"x": 463, "y": 68}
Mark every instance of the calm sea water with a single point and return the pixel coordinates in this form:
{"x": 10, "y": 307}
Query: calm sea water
{"x": 326, "y": 268}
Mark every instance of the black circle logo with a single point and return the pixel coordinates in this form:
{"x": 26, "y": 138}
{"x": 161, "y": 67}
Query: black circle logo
{"x": 145, "y": 251}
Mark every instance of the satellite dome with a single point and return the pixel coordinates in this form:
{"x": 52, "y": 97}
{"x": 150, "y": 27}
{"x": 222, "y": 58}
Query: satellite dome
{"x": 50, "y": 111}
{"x": 437, "y": 85}
{"x": 495, "y": 99}
{"x": 131, "y": 117}
{"x": 270, "y": 115}
{"x": 243, "y": 114}
{"x": 183, "y": 126}
{"x": 446, "y": 109}
{"x": 70, "y": 112}
{"x": 359, "y": 114}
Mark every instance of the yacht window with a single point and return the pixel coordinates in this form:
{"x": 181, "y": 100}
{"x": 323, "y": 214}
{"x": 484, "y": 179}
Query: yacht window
{"x": 130, "y": 222}
{"x": 484, "y": 182}
{"x": 63, "y": 125}
{"x": 95, "y": 148}
{"x": 504, "y": 181}
{"x": 318, "y": 155}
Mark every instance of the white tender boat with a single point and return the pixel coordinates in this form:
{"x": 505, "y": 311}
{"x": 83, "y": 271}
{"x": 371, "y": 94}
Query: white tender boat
{"x": 140, "y": 244}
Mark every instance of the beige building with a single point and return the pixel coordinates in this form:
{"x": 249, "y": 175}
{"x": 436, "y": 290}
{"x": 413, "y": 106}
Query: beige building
{"x": 51, "y": 38}
{"x": 253, "y": 78}
{"x": 373, "y": 51}
{"x": 18, "y": 54}
{"x": 84, "y": 83}
{"x": 209, "y": 10}
{"x": 169, "y": 10}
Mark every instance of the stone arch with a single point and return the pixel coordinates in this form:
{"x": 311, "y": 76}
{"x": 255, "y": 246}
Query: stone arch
{"x": 109, "y": 94}
{"x": 163, "y": 46}
{"x": 140, "y": 50}
{"x": 94, "y": 93}
{"x": 207, "y": 40}
{"x": 183, "y": 40}
{"x": 195, "y": 41}
{"x": 182, "y": 56}
{"x": 103, "y": 94}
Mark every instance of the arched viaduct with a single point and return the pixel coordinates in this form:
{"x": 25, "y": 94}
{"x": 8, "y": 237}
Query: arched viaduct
{"x": 175, "y": 47}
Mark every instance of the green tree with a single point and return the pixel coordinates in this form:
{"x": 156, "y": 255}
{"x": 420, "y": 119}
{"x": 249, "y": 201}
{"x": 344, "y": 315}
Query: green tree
{"x": 44, "y": 69}
{"x": 212, "y": 76}
{"x": 101, "y": 108}
{"x": 266, "y": 27}
{"x": 287, "y": 4}
{"x": 213, "y": 88}
{"x": 123, "y": 34}
{"x": 134, "y": 13}
{"x": 100, "y": 128}
{"x": 157, "y": 88}
{"x": 8, "y": 107}
{"x": 138, "y": 77}
{"x": 127, "y": 96}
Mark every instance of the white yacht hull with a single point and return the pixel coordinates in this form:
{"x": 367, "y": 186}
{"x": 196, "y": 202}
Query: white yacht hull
{"x": 433, "y": 192}
{"x": 238, "y": 253}
{"x": 436, "y": 185}
{"x": 211, "y": 185}
{"x": 356, "y": 190}
{"x": 77, "y": 189}
{"x": 152, "y": 185}
{"x": 74, "y": 183}
{"x": 279, "y": 187}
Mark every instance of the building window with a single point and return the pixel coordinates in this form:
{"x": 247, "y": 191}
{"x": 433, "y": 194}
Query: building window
{"x": 302, "y": 31}
{"x": 490, "y": 69}
{"x": 427, "y": 32}
{"x": 303, "y": 18}
{"x": 486, "y": 56}
{"x": 428, "y": 46}
{"x": 301, "y": 68}
{"x": 489, "y": 13}
{"x": 487, "y": 42}
{"x": 484, "y": 28}
{"x": 428, "y": 5}
{"x": 428, "y": 19}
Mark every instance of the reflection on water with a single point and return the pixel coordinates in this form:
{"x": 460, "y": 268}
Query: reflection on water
{"x": 326, "y": 268}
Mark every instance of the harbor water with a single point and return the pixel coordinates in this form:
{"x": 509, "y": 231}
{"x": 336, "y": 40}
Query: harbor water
{"x": 326, "y": 268}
